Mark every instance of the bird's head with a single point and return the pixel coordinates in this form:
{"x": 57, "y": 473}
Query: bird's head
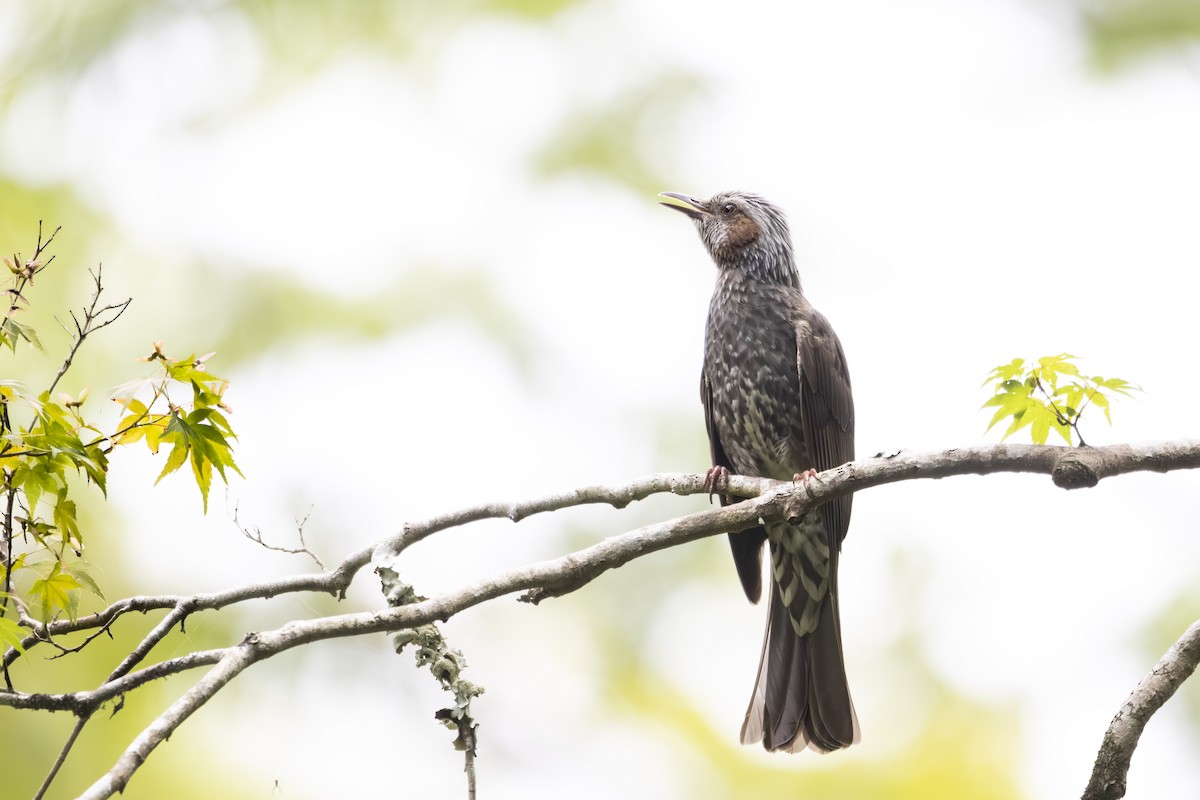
{"x": 741, "y": 231}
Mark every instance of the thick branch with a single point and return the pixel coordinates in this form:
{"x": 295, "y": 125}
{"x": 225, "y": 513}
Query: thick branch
{"x": 1121, "y": 738}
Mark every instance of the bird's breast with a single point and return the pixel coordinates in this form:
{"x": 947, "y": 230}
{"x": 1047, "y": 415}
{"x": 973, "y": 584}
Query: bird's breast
{"x": 750, "y": 362}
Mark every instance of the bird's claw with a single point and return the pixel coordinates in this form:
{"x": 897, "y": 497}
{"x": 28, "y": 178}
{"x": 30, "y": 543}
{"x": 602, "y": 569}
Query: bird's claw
{"x": 806, "y": 476}
{"x": 715, "y": 475}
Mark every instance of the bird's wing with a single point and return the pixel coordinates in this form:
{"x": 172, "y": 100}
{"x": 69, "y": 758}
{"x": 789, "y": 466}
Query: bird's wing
{"x": 826, "y": 406}
{"x": 746, "y": 545}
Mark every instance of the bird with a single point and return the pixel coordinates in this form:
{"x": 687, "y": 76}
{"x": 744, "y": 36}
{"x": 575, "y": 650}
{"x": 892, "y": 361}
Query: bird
{"x": 777, "y": 404}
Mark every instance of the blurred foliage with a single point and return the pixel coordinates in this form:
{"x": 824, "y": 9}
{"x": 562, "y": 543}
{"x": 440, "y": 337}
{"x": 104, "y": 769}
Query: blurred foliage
{"x": 1065, "y": 393}
{"x": 265, "y": 310}
{"x": 172, "y": 772}
{"x": 962, "y": 750}
{"x": 956, "y": 748}
{"x": 305, "y": 34}
{"x": 62, "y": 38}
{"x": 1124, "y": 32}
{"x": 605, "y": 140}
{"x": 1161, "y": 633}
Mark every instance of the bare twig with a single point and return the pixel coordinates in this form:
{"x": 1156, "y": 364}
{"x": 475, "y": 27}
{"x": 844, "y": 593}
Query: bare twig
{"x": 66, "y": 651}
{"x": 26, "y": 269}
{"x": 84, "y": 704}
{"x": 62, "y": 758}
{"x": 94, "y": 318}
{"x": 176, "y": 617}
{"x": 469, "y": 762}
{"x": 468, "y": 741}
{"x": 256, "y": 535}
{"x": 9, "y": 503}
{"x": 1121, "y": 739}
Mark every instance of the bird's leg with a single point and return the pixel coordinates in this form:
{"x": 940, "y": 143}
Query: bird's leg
{"x": 715, "y": 475}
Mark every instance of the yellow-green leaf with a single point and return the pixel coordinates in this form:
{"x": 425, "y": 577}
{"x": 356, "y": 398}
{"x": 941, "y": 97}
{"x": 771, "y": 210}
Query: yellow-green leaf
{"x": 55, "y": 593}
{"x": 175, "y": 459}
{"x": 11, "y": 635}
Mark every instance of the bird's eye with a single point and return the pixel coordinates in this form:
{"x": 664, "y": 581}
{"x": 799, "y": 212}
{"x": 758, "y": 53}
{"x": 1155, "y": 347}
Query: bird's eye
{"x": 728, "y": 209}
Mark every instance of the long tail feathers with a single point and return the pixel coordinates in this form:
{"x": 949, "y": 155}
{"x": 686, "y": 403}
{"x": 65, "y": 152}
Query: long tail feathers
{"x": 801, "y": 697}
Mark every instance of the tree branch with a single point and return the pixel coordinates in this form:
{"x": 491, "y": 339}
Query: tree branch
{"x": 113, "y": 781}
{"x": 1069, "y": 468}
{"x": 83, "y": 704}
{"x": 338, "y": 580}
{"x": 1121, "y": 738}
{"x": 764, "y": 500}
{"x": 61, "y": 759}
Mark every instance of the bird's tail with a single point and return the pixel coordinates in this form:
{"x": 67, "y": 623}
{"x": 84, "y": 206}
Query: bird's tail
{"x": 801, "y": 697}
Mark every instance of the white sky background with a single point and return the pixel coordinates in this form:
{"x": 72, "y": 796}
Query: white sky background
{"x": 939, "y": 160}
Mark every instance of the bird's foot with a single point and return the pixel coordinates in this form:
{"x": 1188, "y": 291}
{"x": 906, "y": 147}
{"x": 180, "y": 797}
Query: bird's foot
{"x": 804, "y": 477}
{"x": 714, "y": 476}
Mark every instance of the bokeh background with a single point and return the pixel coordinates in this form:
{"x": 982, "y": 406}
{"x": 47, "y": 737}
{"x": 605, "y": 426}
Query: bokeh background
{"x": 423, "y": 239}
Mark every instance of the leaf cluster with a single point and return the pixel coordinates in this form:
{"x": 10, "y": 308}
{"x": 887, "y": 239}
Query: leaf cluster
{"x": 50, "y": 449}
{"x": 1050, "y": 394}
{"x": 198, "y": 434}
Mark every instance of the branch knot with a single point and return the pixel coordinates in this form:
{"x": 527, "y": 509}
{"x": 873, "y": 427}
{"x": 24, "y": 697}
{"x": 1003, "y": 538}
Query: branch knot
{"x": 1076, "y": 469}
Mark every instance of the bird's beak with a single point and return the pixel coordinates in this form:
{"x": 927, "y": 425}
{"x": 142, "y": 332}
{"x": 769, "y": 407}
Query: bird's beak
{"x": 688, "y": 205}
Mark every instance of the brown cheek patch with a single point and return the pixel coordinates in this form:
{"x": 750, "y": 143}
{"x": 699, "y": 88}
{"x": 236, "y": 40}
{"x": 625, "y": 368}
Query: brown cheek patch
{"x": 742, "y": 231}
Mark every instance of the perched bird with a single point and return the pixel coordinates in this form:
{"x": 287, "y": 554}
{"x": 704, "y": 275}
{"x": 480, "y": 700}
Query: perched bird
{"x": 777, "y": 404}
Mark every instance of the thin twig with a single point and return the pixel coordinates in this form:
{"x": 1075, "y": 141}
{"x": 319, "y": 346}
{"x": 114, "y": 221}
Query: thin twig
{"x": 176, "y": 617}
{"x": 112, "y": 438}
{"x": 9, "y": 503}
{"x": 66, "y": 651}
{"x": 86, "y": 703}
{"x": 92, "y": 321}
{"x": 256, "y": 535}
{"x": 1073, "y": 424}
{"x": 26, "y": 269}
{"x": 469, "y": 759}
{"x": 62, "y": 757}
